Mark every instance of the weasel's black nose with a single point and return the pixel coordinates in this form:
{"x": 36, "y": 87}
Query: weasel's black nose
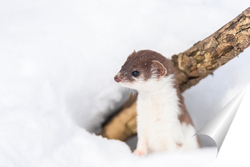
{"x": 117, "y": 79}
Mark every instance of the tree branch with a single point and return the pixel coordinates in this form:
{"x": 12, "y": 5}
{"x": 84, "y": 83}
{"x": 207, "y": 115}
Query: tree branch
{"x": 191, "y": 66}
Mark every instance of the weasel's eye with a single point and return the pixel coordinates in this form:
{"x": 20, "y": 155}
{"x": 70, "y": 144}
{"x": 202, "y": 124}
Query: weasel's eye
{"x": 135, "y": 73}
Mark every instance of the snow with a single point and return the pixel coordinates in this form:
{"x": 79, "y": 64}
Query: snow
{"x": 57, "y": 63}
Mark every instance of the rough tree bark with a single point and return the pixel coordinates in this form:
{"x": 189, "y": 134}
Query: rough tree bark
{"x": 202, "y": 59}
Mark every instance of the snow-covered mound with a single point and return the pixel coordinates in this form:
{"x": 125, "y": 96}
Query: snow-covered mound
{"x": 57, "y": 62}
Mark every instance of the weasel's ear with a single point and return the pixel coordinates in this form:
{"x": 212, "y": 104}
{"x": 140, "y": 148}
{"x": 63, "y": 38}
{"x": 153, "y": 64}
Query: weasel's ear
{"x": 158, "y": 69}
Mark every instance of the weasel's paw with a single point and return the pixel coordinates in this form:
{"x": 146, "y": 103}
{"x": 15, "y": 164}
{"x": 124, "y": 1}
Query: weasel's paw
{"x": 140, "y": 153}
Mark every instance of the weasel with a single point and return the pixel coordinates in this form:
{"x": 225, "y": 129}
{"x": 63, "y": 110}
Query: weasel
{"x": 163, "y": 122}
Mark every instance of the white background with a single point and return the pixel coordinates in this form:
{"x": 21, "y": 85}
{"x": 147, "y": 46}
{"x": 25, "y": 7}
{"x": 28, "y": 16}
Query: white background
{"x": 58, "y": 60}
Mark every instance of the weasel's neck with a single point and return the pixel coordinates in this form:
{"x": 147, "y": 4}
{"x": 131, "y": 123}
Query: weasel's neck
{"x": 162, "y": 96}
{"x": 164, "y": 87}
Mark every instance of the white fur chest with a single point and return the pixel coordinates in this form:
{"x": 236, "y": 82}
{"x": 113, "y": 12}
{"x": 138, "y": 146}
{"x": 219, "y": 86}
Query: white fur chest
{"x": 158, "y": 120}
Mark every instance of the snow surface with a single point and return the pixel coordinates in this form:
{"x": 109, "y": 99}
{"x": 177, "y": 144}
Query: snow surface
{"x": 57, "y": 62}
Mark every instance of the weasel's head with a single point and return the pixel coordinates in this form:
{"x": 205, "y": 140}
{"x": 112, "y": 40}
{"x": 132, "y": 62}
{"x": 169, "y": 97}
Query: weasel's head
{"x": 143, "y": 69}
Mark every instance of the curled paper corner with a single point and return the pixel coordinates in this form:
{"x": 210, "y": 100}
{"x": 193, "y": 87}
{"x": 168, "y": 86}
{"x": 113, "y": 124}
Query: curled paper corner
{"x": 219, "y": 125}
